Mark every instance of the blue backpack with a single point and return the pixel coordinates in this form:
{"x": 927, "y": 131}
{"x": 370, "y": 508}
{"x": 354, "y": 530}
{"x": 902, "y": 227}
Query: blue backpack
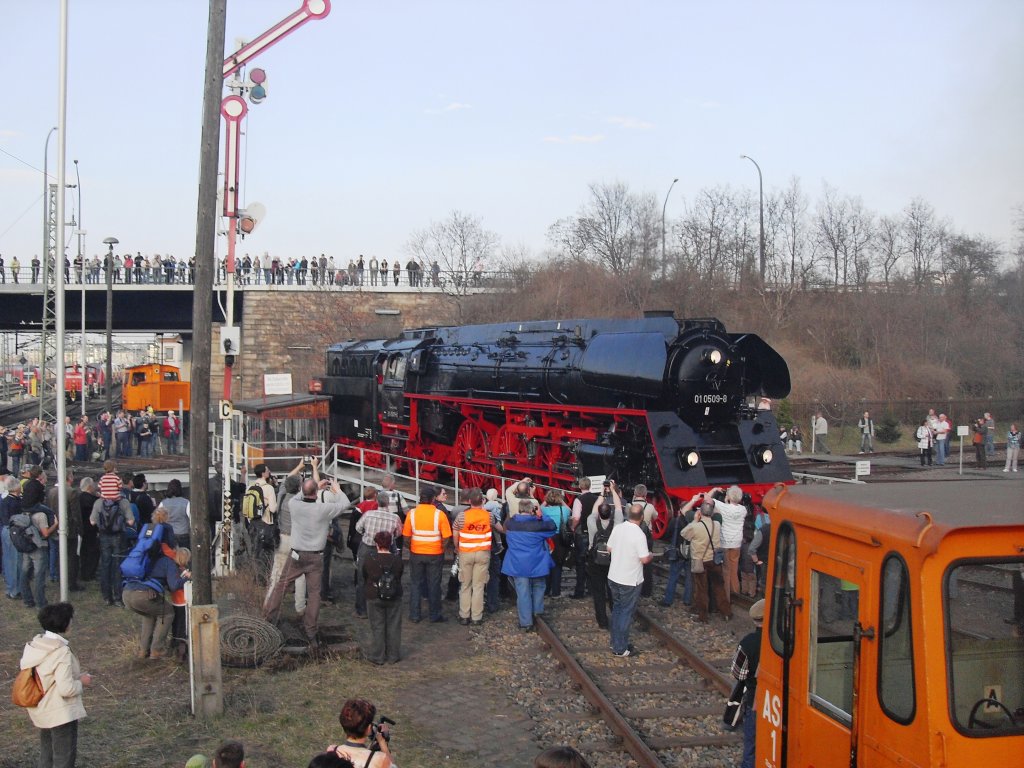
{"x": 139, "y": 562}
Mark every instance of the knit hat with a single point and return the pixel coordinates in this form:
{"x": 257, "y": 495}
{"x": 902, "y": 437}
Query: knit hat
{"x": 757, "y": 612}
{"x": 197, "y": 761}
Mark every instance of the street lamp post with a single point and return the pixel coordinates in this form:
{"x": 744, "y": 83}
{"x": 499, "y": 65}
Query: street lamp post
{"x": 110, "y": 242}
{"x": 760, "y": 185}
{"x": 663, "y": 207}
{"x": 81, "y": 277}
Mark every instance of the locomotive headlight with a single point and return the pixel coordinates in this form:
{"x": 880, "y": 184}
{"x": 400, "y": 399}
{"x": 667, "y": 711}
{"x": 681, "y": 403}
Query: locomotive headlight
{"x": 712, "y": 356}
{"x": 688, "y": 458}
{"x": 761, "y": 455}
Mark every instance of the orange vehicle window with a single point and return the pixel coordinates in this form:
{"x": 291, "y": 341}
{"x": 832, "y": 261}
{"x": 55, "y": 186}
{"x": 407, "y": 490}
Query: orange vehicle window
{"x": 984, "y": 606}
{"x": 783, "y": 590}
{"x": 896, "y": 648}
{"x": 834, "y": 610}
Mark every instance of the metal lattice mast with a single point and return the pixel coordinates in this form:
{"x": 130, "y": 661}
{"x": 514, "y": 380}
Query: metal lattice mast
{"x": 48, "y": 340}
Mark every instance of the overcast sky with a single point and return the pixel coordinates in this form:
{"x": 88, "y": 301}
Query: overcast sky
{"x": 387, "y": 115}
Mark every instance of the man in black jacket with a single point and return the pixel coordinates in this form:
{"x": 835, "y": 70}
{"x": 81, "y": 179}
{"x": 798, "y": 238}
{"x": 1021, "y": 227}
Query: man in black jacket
{"x": 744, "y": 667}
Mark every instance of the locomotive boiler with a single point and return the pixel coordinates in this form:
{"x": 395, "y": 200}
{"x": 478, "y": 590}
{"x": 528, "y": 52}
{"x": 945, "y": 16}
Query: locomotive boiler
{"x": 655, "y": 400}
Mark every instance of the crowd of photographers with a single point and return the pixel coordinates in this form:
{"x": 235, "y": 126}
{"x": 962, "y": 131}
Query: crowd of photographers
{"x": 714, "y": 546}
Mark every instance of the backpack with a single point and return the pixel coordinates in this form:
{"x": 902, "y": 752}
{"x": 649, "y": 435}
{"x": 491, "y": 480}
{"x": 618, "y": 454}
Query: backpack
{"x": 138, "y": 563}
{"x": 21, "y": 534}
{"x": 389, "y": 587}
{"x": 111, "y": 518}
{"x": 253, "y": 503}
{"x": 599, "y": 552}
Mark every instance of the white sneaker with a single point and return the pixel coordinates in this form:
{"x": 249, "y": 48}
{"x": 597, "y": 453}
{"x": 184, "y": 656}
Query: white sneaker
{"x": 1006, "y": 470}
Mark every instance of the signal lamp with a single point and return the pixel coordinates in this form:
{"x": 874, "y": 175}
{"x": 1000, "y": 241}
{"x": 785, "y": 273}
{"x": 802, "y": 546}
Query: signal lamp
{"x": 258, "y": 87}
{"x": 712, "y": 356}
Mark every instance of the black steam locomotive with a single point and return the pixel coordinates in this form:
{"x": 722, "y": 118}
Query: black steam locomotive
{"x": 655, "y": 400}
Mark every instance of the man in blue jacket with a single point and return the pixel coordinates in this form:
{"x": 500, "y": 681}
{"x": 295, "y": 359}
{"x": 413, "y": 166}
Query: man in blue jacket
{"x": 528, "y": 559}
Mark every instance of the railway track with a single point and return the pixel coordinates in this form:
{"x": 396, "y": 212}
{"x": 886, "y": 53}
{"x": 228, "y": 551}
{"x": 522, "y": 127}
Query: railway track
{"x": 16, "y": 413}
{"x": 663, "y": 707}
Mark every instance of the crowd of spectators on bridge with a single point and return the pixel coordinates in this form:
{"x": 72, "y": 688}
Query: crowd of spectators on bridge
{"x": 317, "y": 271}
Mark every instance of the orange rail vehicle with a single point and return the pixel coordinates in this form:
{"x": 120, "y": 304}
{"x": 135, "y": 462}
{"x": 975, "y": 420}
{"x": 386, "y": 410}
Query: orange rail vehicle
{"x": 894, "y": 629}
{"x": 157, "y": 385}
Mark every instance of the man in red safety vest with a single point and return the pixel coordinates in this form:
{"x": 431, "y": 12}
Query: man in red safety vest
{"x": 427, "y": 530}
{"x": 473, "y": 538}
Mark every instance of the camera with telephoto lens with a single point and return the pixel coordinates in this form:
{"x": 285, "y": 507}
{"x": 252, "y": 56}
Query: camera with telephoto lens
{"x": 378, "y": 727}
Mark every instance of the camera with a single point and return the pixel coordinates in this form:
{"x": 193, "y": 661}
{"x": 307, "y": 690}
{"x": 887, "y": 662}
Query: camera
{"x": 379, "y": 727}
{"x": 307, "y": 460}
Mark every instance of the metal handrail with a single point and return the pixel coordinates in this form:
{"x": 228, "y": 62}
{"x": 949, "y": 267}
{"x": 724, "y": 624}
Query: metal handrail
{"x": 391, "y": 460}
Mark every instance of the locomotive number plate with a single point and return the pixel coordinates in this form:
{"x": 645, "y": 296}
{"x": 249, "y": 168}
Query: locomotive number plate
{"x": 710, "y": 399}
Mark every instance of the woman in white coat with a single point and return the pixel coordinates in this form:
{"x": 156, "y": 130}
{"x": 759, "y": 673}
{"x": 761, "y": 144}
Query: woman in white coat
{"x": 57, "y": 714}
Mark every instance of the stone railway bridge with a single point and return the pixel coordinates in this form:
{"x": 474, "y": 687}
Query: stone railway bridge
{"x": 285, "y": 328}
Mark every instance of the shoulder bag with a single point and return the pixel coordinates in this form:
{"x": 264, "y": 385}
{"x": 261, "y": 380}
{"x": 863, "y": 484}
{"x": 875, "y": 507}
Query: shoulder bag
{"x": 719, "y": 554}
{"x": 27, "y": 690}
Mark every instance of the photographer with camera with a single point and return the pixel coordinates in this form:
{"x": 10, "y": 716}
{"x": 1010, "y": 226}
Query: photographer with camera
{"x": 310, "y": 522}
{"x": 521, "y": 491}
{"x": 607, "y": 514}
{"x": 366, "y": 743}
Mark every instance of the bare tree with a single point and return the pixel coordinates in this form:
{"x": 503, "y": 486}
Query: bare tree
{"x": 707, "y": 234}
{"x": 457, "y": 250}
{"x": 832, "y": 222}
{"x": 618, "y": 230}
{"x": 968, "y": 262}
{"x": 923, "y": 236}
{"x": 798, "y": 250}
{"x": 889, "y": 245}
{"x": 861, "y": 233}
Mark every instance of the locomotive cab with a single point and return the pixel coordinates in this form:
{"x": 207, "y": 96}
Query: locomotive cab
{"x": 894, "y": 633}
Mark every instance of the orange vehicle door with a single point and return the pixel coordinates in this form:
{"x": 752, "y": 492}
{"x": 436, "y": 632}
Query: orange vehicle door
{"x": 829, "y": 693}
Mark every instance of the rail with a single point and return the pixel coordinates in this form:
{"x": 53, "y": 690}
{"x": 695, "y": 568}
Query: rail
{"x": 807, "y": 477}
{"x": 634, "y": 744}
{"x": 693, "y": 659}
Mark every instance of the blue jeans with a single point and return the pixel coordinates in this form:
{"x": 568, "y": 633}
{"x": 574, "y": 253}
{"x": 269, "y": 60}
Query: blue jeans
{"x": 990, "y": 443}
{"x": 676, "y": 569}
{"x": 111, "y": 550}
{"x": 940, "y": 451}
{"x": 124, "y": 445}
{"x": 34, "y": 566}
{"x": 12, "y": 564}
{"x": 428, "y": 568}
{"x": 492, "y": 598}
{"x": 529, "y": 598}
{"x": 749, "y": 732}
{"x": 624, "y": 601}
{"x": 866, "y": 443}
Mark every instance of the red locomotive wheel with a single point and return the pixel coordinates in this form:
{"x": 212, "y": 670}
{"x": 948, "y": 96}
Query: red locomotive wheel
{"x": 663, "y": 504}
{"x": 470, "y": 447}
{"x": 470, "y": 452}
{"x": 508, "y": 447}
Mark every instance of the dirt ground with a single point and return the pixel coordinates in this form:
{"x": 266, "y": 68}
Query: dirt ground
{"x": 284, "y": 713}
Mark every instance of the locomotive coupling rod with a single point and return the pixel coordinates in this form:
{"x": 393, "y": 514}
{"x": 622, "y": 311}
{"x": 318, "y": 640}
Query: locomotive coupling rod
{"x": 687, "y": 654}
{"x": 643, "y": 754}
